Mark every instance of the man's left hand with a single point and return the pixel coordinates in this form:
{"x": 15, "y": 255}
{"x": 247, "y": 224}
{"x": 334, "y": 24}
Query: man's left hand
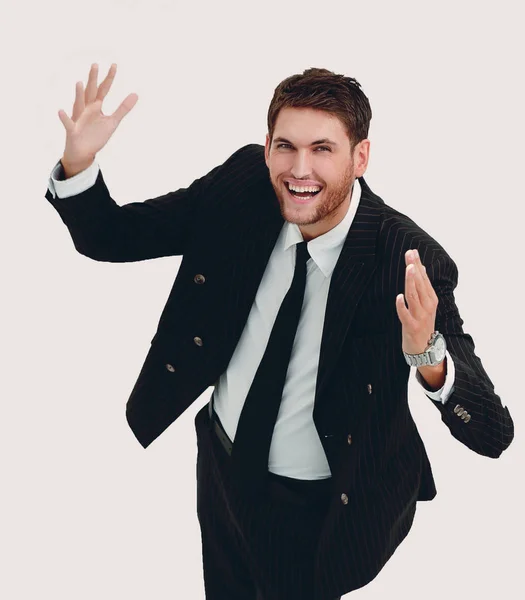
{"x": 418, "y": 320}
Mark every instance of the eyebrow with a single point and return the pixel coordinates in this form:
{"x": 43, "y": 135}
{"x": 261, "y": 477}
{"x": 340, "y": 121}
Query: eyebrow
{"x": 321, "y": 141}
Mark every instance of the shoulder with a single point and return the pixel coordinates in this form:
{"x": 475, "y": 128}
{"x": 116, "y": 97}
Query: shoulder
{"x": 241, "y": 170}
{"x": 248, "y": 160}
{"x": 399, "y": 232}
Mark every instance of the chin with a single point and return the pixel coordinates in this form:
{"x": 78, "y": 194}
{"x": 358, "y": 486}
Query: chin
{"x": 301, "y": 216}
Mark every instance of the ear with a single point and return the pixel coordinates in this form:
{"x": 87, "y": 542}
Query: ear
{"x": 267, "y": 149}
{"x": 361, "y": 156}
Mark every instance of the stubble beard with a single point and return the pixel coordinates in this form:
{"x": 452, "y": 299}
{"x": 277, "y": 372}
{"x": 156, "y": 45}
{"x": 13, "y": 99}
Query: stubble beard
{"x": 330, "y": 201}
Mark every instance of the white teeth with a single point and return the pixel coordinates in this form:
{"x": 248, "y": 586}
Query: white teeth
{"x": 296, "y": 188}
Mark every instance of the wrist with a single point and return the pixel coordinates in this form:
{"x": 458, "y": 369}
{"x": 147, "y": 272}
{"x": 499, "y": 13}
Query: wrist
{"x": 74, "y": 168}
{"x": 434, "y": 376}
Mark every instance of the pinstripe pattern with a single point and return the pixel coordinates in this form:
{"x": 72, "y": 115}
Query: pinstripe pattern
{"x": 225, "y": 225}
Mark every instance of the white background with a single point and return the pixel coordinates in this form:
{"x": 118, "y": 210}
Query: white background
{"x": 86, "y": 512}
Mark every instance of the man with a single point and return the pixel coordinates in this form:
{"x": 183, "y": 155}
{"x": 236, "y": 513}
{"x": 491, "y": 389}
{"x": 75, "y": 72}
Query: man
{"x": 290, "y": 301}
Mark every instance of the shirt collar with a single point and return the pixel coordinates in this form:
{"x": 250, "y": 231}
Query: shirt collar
{"x": 325, "y": 249}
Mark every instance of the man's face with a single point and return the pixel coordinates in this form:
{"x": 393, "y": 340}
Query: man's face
{"x": 293, "y": 157}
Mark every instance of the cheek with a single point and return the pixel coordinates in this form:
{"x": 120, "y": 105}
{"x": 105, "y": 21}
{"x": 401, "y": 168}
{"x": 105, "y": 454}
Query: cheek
{"x": 279, "y": 166}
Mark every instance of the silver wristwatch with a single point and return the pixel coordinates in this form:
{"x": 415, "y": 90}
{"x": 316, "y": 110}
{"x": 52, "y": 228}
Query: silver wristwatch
{"x": 433, "y": 354}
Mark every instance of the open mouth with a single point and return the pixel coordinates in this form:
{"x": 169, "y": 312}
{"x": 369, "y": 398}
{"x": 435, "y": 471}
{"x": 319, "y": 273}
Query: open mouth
{"x": 301, "y": 197}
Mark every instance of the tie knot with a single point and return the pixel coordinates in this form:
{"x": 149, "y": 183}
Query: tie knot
{"x": 302, "y": 252}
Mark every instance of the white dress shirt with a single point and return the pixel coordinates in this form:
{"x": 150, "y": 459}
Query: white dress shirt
{"x": 296, "y": 450}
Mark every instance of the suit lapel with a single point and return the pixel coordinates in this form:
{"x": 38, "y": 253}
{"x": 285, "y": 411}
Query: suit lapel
{"x": 351, "y": 275}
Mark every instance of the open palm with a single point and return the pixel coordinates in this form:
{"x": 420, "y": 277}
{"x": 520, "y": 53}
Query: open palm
{"x": 88, "y": 130}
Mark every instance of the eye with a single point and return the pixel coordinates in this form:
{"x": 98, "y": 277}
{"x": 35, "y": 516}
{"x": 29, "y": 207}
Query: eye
{"x": 318, "y": 147}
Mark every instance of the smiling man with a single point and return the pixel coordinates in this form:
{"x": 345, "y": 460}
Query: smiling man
{"x": 304, "y": 300}
{"x": 332, "y": 161}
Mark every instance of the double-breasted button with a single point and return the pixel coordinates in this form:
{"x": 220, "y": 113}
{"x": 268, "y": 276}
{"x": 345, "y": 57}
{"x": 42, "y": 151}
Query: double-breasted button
{"x": 344, "y": 498}
{"x": 198, "y": 341}
{"x": 349, "y": 439}
{"x": 461, "y": 412}
{"x": 199, "y": 278}
{"x": 170, "y": 368}
{"x": 369, "y": 388}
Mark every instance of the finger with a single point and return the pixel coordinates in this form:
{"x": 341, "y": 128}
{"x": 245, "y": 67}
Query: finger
{"x": 431, "y": 291}
{"x": 66, "y": 121}
{"x": 411, "y": 293}
{"x": 104, "y": 87}
{"x": 126, "y": 105}
{"x": 403, "y": 313}
{"x": 424, "y": 288}
{"x": 91, "y": 88}
{"x": 427, "y": 285}
{"x": 426, "y": 291}
{"x": 426, "y": 302}
{"x": 78, "y": 107}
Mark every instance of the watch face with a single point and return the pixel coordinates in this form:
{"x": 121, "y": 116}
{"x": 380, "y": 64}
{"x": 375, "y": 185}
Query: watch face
{"x": 439, "y": 348}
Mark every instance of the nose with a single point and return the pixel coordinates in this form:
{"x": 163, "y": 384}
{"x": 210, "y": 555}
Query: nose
{"x": 301, "y": 167}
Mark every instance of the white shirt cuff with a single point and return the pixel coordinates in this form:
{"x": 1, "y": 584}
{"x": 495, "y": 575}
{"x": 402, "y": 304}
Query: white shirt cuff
{"x": 444, "y": 392}
{"x": 73, "y": 185}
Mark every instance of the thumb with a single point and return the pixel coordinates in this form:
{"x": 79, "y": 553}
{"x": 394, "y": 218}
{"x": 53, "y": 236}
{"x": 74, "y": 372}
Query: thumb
{"x": 66, "y": 121}
{"x": 402, "y": 310}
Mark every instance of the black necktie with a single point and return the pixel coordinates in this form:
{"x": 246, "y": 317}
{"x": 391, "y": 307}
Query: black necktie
{"x": 251, "y": 446}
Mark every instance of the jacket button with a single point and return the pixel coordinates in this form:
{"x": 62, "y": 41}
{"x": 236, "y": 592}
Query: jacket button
{"x": 170, "y": 368}
{"x": 199, "y": 278}
{"x": 198, "y": 341}
{"x": 457, "y": 408}
{"x": 344, "y": 498}
{"x": 349, "y": 439}
{"x": 466, "y": 417}
{"x": 369, "y": 388}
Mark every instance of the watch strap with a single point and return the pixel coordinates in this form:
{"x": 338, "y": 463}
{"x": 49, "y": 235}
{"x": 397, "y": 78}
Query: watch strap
{"x": 424, "y": 358}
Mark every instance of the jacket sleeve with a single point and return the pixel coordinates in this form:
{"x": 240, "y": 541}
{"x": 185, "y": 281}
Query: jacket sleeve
{"x": 474, "y": 413}
{"x": 63, "y": 188}
{"x": 161, "y": 226}
{"x": 443, "y": 394}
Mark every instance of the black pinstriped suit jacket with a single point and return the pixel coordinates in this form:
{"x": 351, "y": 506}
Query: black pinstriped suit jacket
{"x": 225, "y": 225}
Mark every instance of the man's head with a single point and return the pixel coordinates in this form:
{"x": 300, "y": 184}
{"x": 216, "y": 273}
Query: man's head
{"x": 317, "y": 135}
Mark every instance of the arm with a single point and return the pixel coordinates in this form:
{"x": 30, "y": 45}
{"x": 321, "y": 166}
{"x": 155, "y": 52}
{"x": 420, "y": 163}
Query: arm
{"x": 75, "y": 184}
{"x": 439, "y": 393}
{"x": 104, "y": 231}
{"x": 490, "y": 429}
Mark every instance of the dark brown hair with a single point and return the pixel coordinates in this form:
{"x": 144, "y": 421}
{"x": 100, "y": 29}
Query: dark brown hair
{"x": 324, "y": 90}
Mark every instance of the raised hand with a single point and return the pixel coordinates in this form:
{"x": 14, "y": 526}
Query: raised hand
{"x": 418, "y": 320}
{"x": 88, "y": 130}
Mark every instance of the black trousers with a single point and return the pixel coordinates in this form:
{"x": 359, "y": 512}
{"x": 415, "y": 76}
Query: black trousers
{"x": 257, "y": 549}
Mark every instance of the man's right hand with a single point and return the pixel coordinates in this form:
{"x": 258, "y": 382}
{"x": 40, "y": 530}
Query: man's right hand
{"x": 88, "y": 130}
